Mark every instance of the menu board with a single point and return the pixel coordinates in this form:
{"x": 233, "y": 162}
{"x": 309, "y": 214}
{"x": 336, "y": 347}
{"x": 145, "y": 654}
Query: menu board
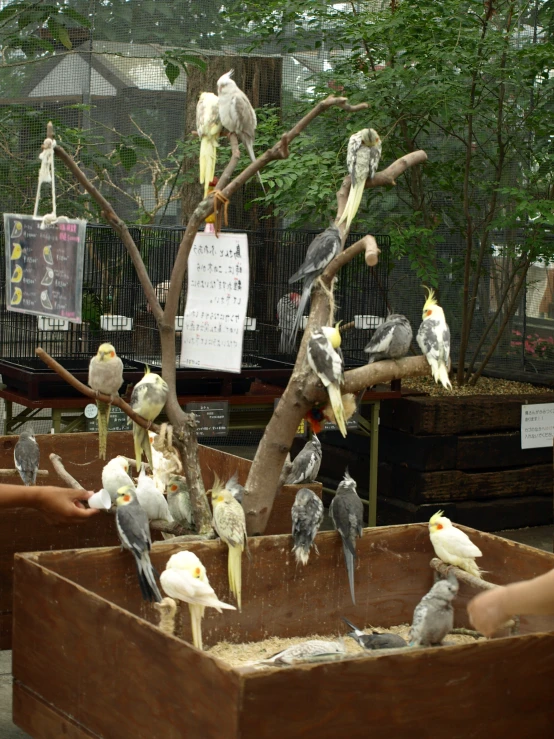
{"x": 119, "y": 420}
{"x": 44, "y": 266}
{"x": 212, "y": 418}
{"x": 217, "y": 298}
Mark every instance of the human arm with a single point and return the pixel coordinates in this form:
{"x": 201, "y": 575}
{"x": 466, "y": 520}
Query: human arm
{"x": 489, "y": 610}
{"x": 63, "y": 505}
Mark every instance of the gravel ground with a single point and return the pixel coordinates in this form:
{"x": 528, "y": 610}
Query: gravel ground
{"x": 484, "y": 386}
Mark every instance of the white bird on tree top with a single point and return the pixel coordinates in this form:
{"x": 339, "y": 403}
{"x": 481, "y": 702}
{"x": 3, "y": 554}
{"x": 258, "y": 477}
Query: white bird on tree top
{"x": 452, "y": 546}
{"x": 147, "y": 399}
{"x": 26, "y": 456}
{"x": 105, "y": 375}
{"x": 185, "y": 579}
{"x": 208, "y": 128}
{"x": 362, "y": 160}
{"x": 327, "y": 363}
{"x": 433, "y": 339}
{"x": 237, "y": 114}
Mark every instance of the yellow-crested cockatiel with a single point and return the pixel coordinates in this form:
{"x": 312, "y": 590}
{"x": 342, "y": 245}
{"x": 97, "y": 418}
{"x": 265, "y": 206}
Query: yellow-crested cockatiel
{"x": 105, "y": 375}
{"x": 325, "y": 358}
{"x": 147, "y": 399}
{"x": 433, "y": 339}
{"x": 362, "y": 160}
{"x": 208, "y": 128}
{"x": 230, "y": 524}
{"x": 453, "y": 546}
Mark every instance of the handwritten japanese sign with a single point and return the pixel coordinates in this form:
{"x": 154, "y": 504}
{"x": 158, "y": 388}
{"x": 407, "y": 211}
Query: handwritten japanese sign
{"x": 212, "y": 418}
{"x": 537, "y": 425}
{"x": 217, "y": 298}
{"x": 44, "y": 266}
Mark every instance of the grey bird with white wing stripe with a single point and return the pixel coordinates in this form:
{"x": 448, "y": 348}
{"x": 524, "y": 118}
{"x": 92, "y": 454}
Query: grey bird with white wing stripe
{"x": 26, "y": 455}
{"x": 375, "y": 640}
{"x": 434, "y": 614}
{"x": 391, "y": 339}
{"x": 307, "y": 515}
{"x": 306, "y": 464}
{"x": 346, "y": 511}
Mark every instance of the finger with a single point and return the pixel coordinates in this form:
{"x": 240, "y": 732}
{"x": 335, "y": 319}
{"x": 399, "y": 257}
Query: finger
{"x": 82, "y": 494}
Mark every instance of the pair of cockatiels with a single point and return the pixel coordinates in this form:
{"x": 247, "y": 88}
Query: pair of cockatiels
{"x": 229, "y": 109}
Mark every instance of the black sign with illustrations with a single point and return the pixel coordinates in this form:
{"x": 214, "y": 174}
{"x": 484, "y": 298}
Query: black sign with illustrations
{"x": 212, "y": 418}
{"x": 119, "y": 421}
{"x": 44, "y": 266}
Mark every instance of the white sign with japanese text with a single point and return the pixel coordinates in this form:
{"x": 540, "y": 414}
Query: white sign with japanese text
{"x": 537, "y": 425}
{"x": 217, "y": 298}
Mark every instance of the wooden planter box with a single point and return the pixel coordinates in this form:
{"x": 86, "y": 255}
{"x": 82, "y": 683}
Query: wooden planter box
{"x": 27, "y": 530}
{"x": 89, "y": 661}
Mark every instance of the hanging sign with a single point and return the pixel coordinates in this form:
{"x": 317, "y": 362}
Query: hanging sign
{"x": 217, "y": 298}
{"x": 44, "y": 266}
{"x": 537, "y": 425}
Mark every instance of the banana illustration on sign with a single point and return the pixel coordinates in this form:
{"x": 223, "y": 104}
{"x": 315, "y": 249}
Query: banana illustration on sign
{"x": 16, "y": 251}
{"x": 16, "y": 297}
{"x": 17, "y": 229}
{"x": 47, "y": 254}
{"x": 17, "y": 274}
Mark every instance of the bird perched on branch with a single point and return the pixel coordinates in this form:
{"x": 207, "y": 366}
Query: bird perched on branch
{"x": 147, "y": 399}
{"x": 178, "y": 500}
{"x": 434, "y": 614}
{"x": 26, "y": 456}
{"x": 347, "y": 514}
{"x": 115, "y": 475}
{"x": 286, "y": 315}
{"x": 306, "y": 464}
{"x": 452, "y": 546}
{"x": 208, "y": 128}
{"x": 307, "y": 515}
{"x": 375, "y": 640}
{"x": 237, "y": 114}
{"x": 391, "y": 339}
{"x": 185, "y": 579}
{"x": 230, "y": 523}
{"x": 134, "y": 534}
{"x": 327, "y": 363}
{"x": 151, "y": 500}
{"x": 362, "y": 160}
{"x": 321, "y": 251}
{"x": 433, "y": 338}
{"x": 105, "y": 375}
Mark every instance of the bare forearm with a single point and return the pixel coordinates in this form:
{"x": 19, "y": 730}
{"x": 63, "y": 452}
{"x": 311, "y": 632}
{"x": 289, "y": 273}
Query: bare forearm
{"x": 19, "y": 496}
{"x": 530, "y": 596}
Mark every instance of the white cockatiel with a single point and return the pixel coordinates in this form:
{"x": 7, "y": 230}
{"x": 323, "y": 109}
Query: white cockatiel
{"x": 151, "y": 500}
{"x": 164, "y": 463}
{"x": 208, "y": 128}
{"x": 115, "y": 475}
{"x": 433, "y": 339}
{"x": 105, "y": 375}
{"x": 185, "y": 579}
{"x": 452, "y": 546}
{"x": 237, "y": 114}
{"x": 26, "y": 455}
{"x": 147, "y": 399}
{"x": 362, "y": 160}
{"x": 327, "y": 363}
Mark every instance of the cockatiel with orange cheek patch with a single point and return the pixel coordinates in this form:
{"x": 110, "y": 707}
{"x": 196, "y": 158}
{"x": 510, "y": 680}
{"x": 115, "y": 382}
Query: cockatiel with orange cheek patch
{"x": 452, "y": 546}
{"x": 433, "y": 339}
{"x": 325, "y": 359}
{"x": 105, "y": 375}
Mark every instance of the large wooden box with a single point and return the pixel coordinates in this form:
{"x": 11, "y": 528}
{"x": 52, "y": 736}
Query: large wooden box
{"x": 27, "y": 530}
{"x": 89, "y": 661}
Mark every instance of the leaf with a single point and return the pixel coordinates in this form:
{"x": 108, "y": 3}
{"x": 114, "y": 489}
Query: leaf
{"x": 127, "y": 156}
{"x": 59, "y": 32}
{"x": 172, "y": 71}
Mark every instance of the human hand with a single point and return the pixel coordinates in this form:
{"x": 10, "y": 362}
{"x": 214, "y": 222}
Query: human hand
{"x": 487, "y": 611}
{"x": 64, "y": 505}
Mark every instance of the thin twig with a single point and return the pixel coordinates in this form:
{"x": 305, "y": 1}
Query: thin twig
{"x": 57, "y": 464}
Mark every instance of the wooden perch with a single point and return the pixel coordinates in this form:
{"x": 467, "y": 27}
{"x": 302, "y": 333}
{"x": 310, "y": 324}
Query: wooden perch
{"x": 6, "y": 473}
{"x": 461, "y": 575}
{"x": 57, "y": 464}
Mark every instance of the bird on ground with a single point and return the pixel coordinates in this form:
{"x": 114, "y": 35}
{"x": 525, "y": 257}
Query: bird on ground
{"x": 375, "y": 640}
{"x": 307, "y": 651}
{"x": 150, "y": 498}
{"x": 147, "y": 399}
{"x": 453, "y": 546}
{"x": 237, "y": 114}
{"x": 307, "y": 515}
{"x": 134, "y": 534}
{"x": 327, "y": 363}
{"x": 105, "y": 375}
{"x": 178, "y": 500}
{"x": 434, "y": 614}
{"x": 306, "y": 464}
{"x": 235, "y": 488}
{"x": 347, "y": 511}
{"x": 362, "y": 160}
{"x": 286, "y": 316}
{"x": 433, "y": 339}
{"x": 230, "y": 523}
{"x": 208, "y": 128}
{"x": 115, "y": 475}
{"x": 26, "y": 456}
{"x": 321, "y": 251}
{"x": 185, "y": 579}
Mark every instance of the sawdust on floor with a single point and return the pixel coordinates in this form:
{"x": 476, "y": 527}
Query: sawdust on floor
{"x": 484, "y": 386}
{"x": 241, "y": 655}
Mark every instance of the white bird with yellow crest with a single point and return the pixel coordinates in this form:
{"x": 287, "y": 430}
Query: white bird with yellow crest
{"x": 105, "y": 375}
{"x": 362, "y": 160}
{"x": 325, "y": 358}
{"x": 433, "y": 339}
{"x": 208, "y": 128}
{"x": 147, "y": 399}
{"x": 452, "y": 546}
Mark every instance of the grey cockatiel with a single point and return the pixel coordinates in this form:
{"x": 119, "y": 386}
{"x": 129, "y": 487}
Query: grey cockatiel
{"x": 325, "y": 358}
{"x": 306, "y": 463}
{"x": 237, "y": 114}
{"x": 391, "y": 339}
{"x": 375, "y": 640}
{"x": 26, "y": 455}
{"x": 134, "y": 534}
{"x": 433, "y": 338}
{"x": 235, "y": 488}
{"x": 434, "y": 614}
{"x": 178, "y": 500}
{"x": 147, "y": 399}
{"x": 362, "y": 160}
{"x": 346, "y": 511}
{"x": 321, "y": 251}
{"x": 307, "y": 515}
{"x": 105, "y": 375}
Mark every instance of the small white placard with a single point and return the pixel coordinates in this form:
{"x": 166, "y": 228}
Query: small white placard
{"x": 537, "y": 425}
{"x": 217, "y": 298}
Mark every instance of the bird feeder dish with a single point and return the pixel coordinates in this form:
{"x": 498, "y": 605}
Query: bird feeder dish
{"x": 116, "y": 323}
{"x": 367, "y": 322}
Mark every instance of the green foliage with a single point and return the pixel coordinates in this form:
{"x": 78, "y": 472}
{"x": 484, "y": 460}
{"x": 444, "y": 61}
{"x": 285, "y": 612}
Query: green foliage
{"x": 20, "y": 21}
